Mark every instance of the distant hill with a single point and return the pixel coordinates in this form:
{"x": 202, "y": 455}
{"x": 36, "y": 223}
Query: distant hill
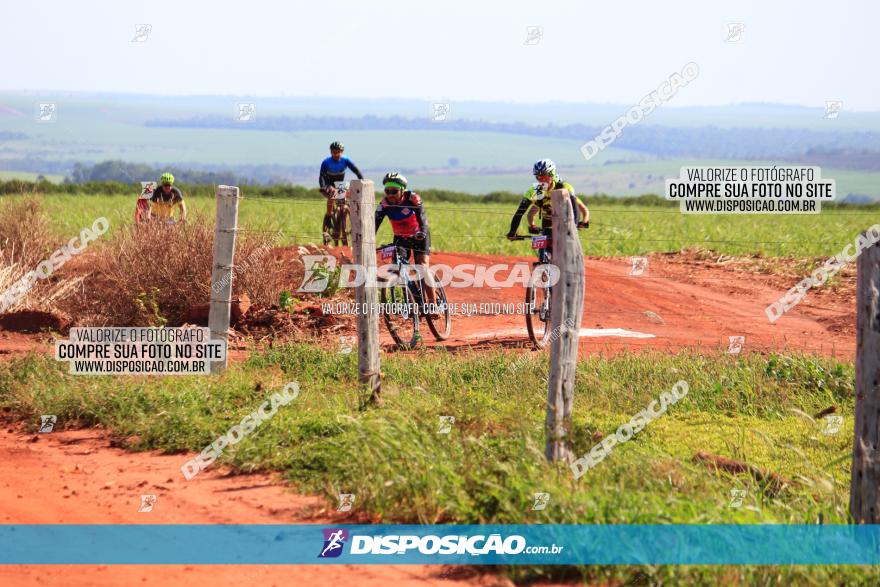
{"x": 482, "y": 146}
{"x": 844, "y": 150}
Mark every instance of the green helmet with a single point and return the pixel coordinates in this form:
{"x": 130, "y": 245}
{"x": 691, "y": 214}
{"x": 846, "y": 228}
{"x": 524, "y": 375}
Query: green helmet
{"x": 394, "y": 179}
{"x": 166, "y": 179}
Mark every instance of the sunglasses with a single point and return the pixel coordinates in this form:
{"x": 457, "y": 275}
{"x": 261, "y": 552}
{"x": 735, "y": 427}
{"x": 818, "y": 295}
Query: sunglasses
{"x": 392, "y": 191}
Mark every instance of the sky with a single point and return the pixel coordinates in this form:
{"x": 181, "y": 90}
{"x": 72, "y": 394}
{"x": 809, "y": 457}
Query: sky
{"x": 789, "y": 52}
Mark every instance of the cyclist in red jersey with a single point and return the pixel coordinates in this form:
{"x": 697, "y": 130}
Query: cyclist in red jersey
{"x": 409, "y": 224}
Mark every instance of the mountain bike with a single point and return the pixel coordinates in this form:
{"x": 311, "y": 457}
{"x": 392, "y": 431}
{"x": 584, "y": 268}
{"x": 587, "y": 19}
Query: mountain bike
{"x": 340, "y": 217}
{"x": 142, "y": 209}
{"x": 404, "y": 302}
{"x": 539, "y": 294}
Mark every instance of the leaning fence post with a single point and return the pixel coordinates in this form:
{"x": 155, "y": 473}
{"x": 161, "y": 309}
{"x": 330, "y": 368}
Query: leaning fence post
{"x": 366, "y": 295}
{"x": 864, "y": 499}
{"x": 221, "y": 273}
{"x": 567, "y": 302}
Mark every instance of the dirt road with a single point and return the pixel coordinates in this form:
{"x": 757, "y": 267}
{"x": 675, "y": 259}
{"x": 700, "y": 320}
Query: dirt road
{"x": 682, "y": 302}
{"x": 679, "y": 301}
{"x": 77, "y": 478}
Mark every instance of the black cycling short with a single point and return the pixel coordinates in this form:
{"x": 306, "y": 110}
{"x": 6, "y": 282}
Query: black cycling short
{"x": 411, "y": 244}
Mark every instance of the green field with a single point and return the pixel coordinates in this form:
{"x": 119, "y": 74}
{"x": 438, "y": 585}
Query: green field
{"x": 28, "y": 176}
{"x": 750, "y": 408}
{"x": 626, "y": 176}
{"x": 91, "y": 132}
{"x": 90, "y": 129}
{"x": 615, "y": 229}
{"x": 633, "y": 176}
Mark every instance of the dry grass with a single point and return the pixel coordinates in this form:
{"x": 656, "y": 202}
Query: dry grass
{"x": 26, "y": 240}
{"x": 149, "y": 275}
{"x": 25, "y": 236}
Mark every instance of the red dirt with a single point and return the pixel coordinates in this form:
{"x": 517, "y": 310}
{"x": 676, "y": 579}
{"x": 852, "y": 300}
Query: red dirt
{"x": 683, "y": 300}
{"x": 15, "y": 344}
{"x": 699, "y": 305}
{"x": 32, "y": 321}
{"x": 76, "y": 477}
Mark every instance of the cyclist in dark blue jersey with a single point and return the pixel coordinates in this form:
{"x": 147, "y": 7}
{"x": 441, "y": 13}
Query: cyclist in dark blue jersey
{"x": 333, "y": 170}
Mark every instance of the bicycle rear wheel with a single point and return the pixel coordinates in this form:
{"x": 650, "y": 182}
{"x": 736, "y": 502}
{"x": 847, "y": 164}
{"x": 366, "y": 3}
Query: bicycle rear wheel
{"x": 345, "y": 230}
{"x": 338, "y": 224}
{"x": 440, "y": 325}
{"x": 538, "y": 314}
{"x": 401, "y": 315}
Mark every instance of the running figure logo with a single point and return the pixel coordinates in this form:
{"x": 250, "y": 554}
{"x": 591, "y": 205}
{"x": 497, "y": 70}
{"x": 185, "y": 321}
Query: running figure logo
{"x": 736, "y": 498}
{"x": 639, "y": 266}
{"x": 247, "y": 112}
{"x": 534, "y": 34}
{"x": 346, "y": 344}
{"x": 142, "y": 33}
{"x": 440, "y": 111}
{"x": 318, "y": 270}
{"x": 147, "y": 503}
{"x": 47, "y": 112}
{"x": 334, "y": 540}
{"x": 346, "y": 500}
{"x": 832, "y": 109}
{"x": 47, "y": 423}
{"x": 832, "y": 424}
{"x": 445, "y": 426}
{"x": 735, "y": 32}
{"x": 735, "y": 344}
{"x": 541, "y": 501}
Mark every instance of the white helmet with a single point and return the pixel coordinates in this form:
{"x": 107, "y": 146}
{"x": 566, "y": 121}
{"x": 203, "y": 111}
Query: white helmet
{"x": 544, "y": 167}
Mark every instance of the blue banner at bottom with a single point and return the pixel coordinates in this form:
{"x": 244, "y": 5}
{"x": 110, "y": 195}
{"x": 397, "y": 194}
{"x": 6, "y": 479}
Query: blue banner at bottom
{"x": 440, "y": 544}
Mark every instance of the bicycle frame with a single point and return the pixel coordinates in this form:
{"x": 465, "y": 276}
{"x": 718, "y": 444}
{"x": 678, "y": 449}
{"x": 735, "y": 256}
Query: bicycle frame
{"x": 339, "y": 228}
{"x": 538, "y": 315}
{"x": 403, "y": 266}
{"x": 409, "y": 293}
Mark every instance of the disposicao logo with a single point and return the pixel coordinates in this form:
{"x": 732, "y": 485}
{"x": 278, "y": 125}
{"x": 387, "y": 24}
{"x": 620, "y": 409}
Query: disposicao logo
{"x": 334, "y": 540}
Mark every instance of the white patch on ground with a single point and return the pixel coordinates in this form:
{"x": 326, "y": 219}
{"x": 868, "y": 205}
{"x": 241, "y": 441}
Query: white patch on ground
{"x": 621, "y": 332}
{"x": 584, "y": 332}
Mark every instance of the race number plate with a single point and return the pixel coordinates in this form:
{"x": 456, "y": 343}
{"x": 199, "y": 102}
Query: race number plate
{"x": 387, "y": 252}
{"x": 539, "y": 242}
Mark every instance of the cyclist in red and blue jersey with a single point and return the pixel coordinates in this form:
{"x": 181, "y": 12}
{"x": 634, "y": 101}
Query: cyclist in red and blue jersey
{"x": 332, "y": 170}
{"x": 409, "y": 223}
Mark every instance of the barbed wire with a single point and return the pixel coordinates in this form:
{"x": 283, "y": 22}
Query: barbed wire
{"x": 665, "y": 344}
{"x": 685, "y": 241}
{"x": 481, "y": 209}
{"x": 652, "y": 318}
{"x": 681, "y": 241}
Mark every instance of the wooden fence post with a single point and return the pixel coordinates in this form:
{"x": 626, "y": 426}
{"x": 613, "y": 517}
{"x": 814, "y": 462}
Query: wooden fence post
{"x": 363, "y": 247}
{"x": 567, "y": 302}
{"x": 864, "y": 500}
{"x": 221, "y": 274}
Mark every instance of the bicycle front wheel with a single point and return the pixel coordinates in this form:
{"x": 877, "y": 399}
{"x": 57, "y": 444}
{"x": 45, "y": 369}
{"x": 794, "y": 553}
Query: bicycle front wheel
{"x": 538, "y": 314}
{"x": 441, "y": 323}
{"x": 401, "y": 315}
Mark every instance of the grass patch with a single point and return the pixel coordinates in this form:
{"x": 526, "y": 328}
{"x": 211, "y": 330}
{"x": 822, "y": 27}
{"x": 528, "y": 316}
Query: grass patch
{"x": 488, "y": 468}
{"x": 617, "y": 227}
